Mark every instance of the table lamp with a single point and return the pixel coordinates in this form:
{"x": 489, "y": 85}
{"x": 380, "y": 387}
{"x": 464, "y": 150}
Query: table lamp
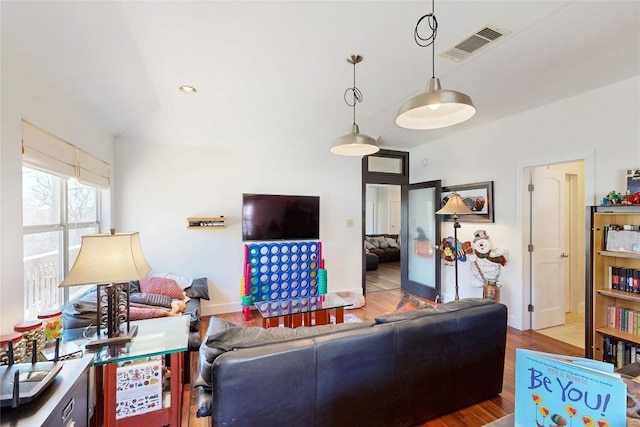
{"x": 455, "y": 206}
{"x": 110, "y": 261}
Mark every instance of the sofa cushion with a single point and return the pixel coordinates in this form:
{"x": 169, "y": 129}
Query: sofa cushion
{"x": 216, "y": 324}
{"x": 199, "y": 289}
{"x": 382, "y": 243}
{"x": 239, "y": 337}
{"x": 150, "y": 299}
{"x": 392, "y": 242}
{"x": 160, "y": 285}
{"x": 463, "y": 304}
{"x": 183, "y": 282}
{"x": 405, "y": 313}
{"x": 80, "y": 312}
{"x": 145, "y": 313}
{"x": 430, "y": 311}
{"x": 374, "y": 242}
{"x": 204, "y": 402}
{"x": 134, "y": 286}
{"x": 236, "y": 337}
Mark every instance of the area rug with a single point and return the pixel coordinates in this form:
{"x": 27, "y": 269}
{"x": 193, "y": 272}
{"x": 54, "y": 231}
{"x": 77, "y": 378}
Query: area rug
{"x": 351, "y": 318}
{"x": 348, "y": 318}
{"x": 356, "y": 300}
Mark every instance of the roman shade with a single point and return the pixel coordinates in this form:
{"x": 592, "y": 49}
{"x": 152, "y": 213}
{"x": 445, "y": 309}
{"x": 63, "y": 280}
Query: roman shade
{"x": 44, "y": 151}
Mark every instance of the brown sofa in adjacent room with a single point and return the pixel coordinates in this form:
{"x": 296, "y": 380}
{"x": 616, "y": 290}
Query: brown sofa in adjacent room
{"x": 385, "y": 246}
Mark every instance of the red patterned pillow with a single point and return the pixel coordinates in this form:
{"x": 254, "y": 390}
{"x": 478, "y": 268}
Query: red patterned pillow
{"x": 162, "y": 286}
{"x": 139, "y": 313}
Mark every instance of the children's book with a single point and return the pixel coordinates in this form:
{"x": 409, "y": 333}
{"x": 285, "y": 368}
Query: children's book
{"x": 553, "y": 390}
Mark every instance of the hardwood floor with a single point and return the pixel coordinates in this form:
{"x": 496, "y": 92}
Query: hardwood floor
{"x": 473, "y": 416}
{"x": 384, "y": 278}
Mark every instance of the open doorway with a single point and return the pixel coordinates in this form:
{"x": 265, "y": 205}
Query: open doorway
{"x": 382, "y": 237}
{"x": 556, "y": 235}
{"x": 383, "y": 176}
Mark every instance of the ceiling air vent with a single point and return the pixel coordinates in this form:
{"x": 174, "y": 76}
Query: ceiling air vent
{"x": 481, "y": 38}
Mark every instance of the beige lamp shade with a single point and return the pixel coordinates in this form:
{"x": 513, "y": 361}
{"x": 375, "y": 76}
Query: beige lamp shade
{"x": 454, "y": 206}
{"x": 108, "y": 258}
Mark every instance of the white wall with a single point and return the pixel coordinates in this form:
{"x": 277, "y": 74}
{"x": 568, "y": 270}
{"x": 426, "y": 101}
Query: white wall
{"x": 26, "y": 96}
{"x": 602, "y": 125}
{"x": 383, "y": 202}
{"x": 371, "y": 208}
{"x": 162, "y": 185}
{"x": 382, "y": 208}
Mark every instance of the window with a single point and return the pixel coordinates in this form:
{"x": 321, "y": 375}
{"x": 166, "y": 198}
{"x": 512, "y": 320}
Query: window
{"x": 57, "y": 212}
{"x": 60, "y": 189}
{"x": 386, "y": 167}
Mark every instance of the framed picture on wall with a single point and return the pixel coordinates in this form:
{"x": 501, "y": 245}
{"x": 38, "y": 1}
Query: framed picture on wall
{"x": 477, "y": 196}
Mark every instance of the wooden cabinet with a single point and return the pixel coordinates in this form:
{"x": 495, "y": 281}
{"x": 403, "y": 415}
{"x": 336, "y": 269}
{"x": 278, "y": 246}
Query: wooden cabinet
{"x": 615, "y": 313}
{"x": 63, "y": 403}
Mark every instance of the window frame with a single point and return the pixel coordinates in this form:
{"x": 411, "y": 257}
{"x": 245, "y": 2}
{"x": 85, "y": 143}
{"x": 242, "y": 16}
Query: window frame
{"x": 64, "y": 226}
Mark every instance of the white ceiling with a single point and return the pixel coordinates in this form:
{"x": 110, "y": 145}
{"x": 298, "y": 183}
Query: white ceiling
{"x": 279, "y": 68}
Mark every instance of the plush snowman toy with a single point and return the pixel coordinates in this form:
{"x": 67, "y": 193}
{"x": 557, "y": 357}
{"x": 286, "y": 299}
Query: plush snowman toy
{"x": 485, "y": 261}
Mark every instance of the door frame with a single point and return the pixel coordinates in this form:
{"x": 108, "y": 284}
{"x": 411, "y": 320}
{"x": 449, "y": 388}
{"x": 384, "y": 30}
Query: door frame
{"x": 372, "y": 177}
{"x": 522, "y": 219}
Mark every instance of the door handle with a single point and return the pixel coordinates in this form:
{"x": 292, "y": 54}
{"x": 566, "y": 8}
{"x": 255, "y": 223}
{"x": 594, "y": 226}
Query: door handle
{"x": 563, "y": 255}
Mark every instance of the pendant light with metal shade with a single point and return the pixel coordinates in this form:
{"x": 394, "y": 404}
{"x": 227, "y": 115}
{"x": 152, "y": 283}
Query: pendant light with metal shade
{"x": 354, "y": 143}
{"x": 437, "y": 107}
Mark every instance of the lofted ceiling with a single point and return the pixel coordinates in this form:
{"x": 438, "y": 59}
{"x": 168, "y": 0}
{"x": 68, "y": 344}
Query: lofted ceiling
{"x": 279, "y": 68}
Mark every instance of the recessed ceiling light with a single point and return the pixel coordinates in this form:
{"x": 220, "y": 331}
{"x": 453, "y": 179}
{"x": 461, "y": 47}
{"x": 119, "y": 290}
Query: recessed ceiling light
{"x": 188, "y": 89}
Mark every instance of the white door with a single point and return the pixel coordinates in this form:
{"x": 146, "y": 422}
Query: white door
{"x": 549, "y": 246}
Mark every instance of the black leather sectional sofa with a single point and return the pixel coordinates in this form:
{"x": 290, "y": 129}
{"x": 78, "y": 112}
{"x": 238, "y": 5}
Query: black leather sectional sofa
{"x": 400, "y": 370}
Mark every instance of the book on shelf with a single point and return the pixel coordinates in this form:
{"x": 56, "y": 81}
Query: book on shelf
{"x": 552, "y": 389}
{"x": 624, "y": 279}
{"x": 620, "y": 352}
{"x": 623, "y": 319}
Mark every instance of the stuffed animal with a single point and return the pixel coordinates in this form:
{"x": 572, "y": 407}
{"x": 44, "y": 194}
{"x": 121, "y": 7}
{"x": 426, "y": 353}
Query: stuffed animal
{"x": 177, "y": 307}
{"x": 486, "y": 261}
{"x": 449, "y": 253}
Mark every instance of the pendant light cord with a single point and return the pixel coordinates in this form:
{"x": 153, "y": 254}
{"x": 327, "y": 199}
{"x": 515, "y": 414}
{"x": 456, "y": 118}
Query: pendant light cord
{"x": 428, "y": 41}
{"x": 357, "y": 94}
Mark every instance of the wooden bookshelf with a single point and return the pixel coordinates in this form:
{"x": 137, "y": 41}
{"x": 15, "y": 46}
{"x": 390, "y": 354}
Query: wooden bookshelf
{"x": 600, "y": 263}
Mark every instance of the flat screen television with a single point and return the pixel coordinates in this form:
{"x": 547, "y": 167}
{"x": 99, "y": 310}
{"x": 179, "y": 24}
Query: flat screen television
{"x": 280, "y": 217}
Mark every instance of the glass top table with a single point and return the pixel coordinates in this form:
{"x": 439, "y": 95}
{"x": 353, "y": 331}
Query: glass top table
{"x": 155, "y": 337}
{"x": 307, "y": 311}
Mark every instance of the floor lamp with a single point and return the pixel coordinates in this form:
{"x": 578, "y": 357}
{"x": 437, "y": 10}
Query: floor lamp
{"x": 455, "y": 206}
{"x": 110, "y": 260}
